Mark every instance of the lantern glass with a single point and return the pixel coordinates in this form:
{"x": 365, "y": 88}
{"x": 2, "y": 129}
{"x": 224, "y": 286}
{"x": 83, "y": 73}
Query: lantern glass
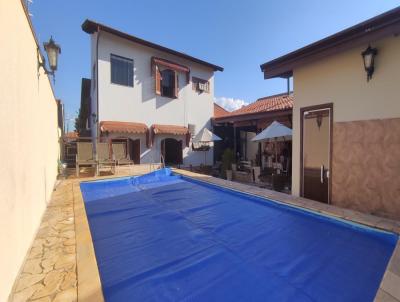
{"x": 52, "y": 56}
{"x": 368, "y": 60}
{"x": 52, "y": 50}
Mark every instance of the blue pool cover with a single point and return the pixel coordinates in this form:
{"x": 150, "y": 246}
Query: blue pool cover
{"x": 161, "y": 237}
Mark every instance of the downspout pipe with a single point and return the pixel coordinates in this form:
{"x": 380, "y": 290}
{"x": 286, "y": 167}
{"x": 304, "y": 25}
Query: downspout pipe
{"x": 97, "y": 86}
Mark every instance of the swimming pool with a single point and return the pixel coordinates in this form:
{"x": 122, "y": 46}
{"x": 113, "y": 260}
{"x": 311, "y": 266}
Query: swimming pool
{"x": 162, "y": 237}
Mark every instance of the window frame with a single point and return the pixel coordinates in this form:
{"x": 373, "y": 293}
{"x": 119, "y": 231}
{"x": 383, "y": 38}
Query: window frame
{"x": 195, "y": 85}
{"x": 172, "y": 74}
{"x": 112, "y": 55}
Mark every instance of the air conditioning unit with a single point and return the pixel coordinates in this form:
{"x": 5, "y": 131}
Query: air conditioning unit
{"x": 202, "y": 86}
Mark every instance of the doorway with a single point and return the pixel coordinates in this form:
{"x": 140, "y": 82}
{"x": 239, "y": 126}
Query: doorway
{"x": 316, "y": 150}
{"x": 171, "y": 150}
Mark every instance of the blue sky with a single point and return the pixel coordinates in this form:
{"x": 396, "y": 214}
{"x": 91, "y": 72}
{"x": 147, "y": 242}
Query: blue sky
{"x": 237, "y": 35}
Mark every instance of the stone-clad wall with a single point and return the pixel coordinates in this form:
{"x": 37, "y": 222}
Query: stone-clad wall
{"x": 366, "y": 166}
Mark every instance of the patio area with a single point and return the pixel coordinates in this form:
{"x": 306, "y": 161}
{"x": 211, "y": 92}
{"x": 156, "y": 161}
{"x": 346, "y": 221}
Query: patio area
{"x": 61, "y": 264}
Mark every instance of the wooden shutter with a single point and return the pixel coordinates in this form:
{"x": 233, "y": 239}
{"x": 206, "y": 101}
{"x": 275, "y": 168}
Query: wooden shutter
{"x": 157, "y": 79}
{"x": 176, "y": 83}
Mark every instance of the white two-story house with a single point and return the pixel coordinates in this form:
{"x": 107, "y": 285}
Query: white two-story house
{"x": 152, "y": 98}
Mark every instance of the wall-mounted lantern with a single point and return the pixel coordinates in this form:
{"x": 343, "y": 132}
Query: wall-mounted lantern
{"x": 52, "y": 49}
{"x": 369, "y": 58}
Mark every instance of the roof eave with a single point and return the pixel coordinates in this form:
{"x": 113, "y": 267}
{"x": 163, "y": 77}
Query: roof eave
{"x": 91, "y": 27}
{"x": 366, "y": 32}
{"x": 253, "y": 115}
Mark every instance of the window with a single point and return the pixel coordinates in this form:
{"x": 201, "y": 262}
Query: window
{"x": 200, "y": 85}
{"x": 121, "y": 70}
{"x": 168, "y": 83}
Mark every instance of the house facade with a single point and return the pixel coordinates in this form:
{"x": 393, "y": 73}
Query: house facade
{"x": 149, "y": 97}
{"x": 346, "y": 116}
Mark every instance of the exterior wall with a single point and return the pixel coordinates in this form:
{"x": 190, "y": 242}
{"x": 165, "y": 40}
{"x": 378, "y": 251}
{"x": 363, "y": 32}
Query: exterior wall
{"x": 252, "y": 147}
{"x": 341, "y": 80}
{"x": 141, "y": 104}
{"x": 29, "y": 148}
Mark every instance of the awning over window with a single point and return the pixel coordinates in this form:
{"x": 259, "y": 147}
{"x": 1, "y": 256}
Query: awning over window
{"x": 122, "y": 127}
{"x": 169, "y": 64}
{"x": 169, "y": 129}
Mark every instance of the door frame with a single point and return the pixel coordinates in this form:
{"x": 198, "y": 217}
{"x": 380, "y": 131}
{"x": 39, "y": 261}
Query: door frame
{"x": 310, "y": 108}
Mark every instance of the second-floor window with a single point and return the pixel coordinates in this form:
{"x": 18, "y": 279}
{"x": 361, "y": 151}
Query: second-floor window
{"x": 121, "y": 70}
{"x": 200, "y": 85}
{"x": 168, "y": 83}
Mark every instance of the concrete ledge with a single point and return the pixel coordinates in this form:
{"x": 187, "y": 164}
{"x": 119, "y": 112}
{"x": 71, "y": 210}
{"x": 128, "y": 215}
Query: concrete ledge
{"x": 89, "y": 284}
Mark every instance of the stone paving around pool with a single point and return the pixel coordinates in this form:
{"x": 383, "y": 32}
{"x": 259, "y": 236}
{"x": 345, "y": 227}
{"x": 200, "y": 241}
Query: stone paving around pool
{"x": 61, "y": 264}
{"x": 49, "y": 271}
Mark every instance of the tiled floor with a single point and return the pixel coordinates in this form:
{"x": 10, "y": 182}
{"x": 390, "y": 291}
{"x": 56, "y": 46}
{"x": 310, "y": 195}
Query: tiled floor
{"x": 61, "y": 265}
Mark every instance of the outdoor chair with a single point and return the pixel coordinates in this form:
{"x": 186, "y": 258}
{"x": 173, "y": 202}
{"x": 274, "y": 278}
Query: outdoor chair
{"x": 120, "y": 155}
{"x": 104, "y": 158}
{"x": 84, "y": 156}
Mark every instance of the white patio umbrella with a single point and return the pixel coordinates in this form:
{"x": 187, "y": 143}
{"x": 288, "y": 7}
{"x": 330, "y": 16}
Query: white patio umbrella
{"x": 204, "y": 137}
{"x": 274, "y": 132}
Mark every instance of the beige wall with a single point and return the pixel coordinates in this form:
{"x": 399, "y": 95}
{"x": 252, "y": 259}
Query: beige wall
{"x": 29, "y": 141}
{"x": 341, "y": 80}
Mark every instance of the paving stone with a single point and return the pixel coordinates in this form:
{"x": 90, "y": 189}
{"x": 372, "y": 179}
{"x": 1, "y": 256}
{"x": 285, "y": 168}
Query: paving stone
{"x": 38, "y": 242}
{"x": 51, "y": 283}
{"x": 51, "y": 241}
{"x": 33, "y": 266}
{"x": 70, "y": 249}
{"x": 390, "y": 284}
{"x": 35, "y": 252}
{"x": 28, "y": 280}
{"x": 44, "y": 299}
{"x": 65, "y": 261}
{"x": 69, "y": 281}
{"x": 50, "y": 261}
{"x": 70, "y": 241}
{"x": 68, "y": 234}
{"x": 383, "y": 296}
{"x": 25, "y": 294}
{"x": 68, "y": 295}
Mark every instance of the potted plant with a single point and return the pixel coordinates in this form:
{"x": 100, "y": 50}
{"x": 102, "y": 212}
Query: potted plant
{"x": 227, "y": 159}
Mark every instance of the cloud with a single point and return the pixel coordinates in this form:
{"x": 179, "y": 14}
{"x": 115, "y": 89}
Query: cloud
{"x": 230, "y": 104}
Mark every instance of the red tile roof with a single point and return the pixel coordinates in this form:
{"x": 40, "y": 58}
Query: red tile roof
{"x": 267, "y": 104}
{"x": 219, "y": 111}
{"x": 71, "y": 135}
{"x": 169, "y": 129}
{"x": 122, "y": 127}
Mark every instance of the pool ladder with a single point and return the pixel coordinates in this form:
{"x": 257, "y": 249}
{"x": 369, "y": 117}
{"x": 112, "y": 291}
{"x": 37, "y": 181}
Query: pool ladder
{"x": 153, "y": 165}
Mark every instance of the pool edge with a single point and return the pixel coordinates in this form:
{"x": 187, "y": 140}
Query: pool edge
{"x": 389, "y": 288}
{"x": 90, "y": 289}
{"x": 88, "y": 277}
